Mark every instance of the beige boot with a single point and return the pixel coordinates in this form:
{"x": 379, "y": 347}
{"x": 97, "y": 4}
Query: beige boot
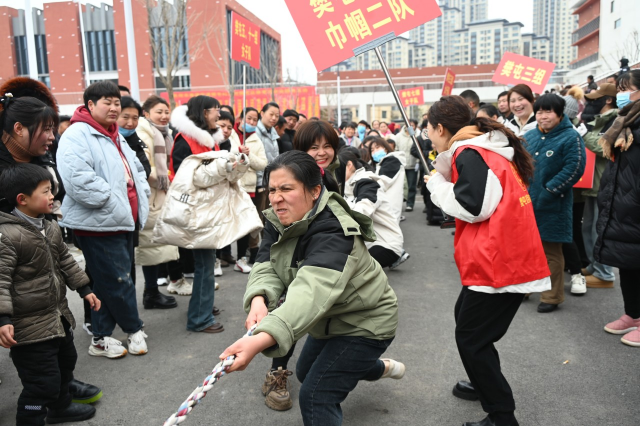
{"x": 276, "y": 390}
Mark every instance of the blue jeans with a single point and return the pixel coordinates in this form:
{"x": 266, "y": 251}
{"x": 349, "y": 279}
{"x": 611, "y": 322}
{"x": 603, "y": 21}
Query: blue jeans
{"x": 589, "y": 234}
{"x": 109, "y": 262}
{"x": 331, "y": 368}
{"x": 200, "y": 314}
{"x": 412, "y": 181}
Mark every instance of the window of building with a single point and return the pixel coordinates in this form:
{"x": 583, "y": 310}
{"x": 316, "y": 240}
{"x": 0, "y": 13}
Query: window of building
{"x": 617, "y": 23}
{"x": 613, "y": 4}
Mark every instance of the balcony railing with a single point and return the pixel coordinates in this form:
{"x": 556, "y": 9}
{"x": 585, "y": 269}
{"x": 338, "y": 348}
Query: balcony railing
{"x": 585, "y": 61}
{"x": 585, "y": 30}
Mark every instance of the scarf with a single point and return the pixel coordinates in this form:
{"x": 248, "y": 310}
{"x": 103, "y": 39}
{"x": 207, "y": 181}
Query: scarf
{"x": 162, "y": 143}
{"x": 619, "y": 134}
{"x": 19, "y": 153}
{"x": 466, "y": 133}
{"x": 82, "y": 115}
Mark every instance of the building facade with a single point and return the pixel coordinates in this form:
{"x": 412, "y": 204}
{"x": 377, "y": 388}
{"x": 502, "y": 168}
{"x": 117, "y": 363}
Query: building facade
{"x": 553, "y": 19}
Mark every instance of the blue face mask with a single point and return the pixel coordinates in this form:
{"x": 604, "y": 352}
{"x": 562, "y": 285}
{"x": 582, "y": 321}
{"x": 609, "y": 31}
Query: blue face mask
{"x": 624, "y": 99}
{"x": 249, "y": 128}
{"x": 126, "y": 132}
{"x": 378, "y": 156}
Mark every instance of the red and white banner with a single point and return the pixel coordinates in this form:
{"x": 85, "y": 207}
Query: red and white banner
{"x": 449, "y": 82}
{"x": 332, "y": 29}
{"x": 516, "y": 69}
{"x": 411, "y": 97}
{"x": 245, "y": 41}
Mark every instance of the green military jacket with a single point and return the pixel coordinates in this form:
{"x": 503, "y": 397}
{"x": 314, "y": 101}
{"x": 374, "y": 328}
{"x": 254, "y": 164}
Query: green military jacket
{"x": 600, "y": 124}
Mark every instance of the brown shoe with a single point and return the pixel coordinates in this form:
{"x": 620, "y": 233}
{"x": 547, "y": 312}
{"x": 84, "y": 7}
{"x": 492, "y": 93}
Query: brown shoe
{"x": 595, "y": 282}
{"x": 216, "y": 311}
{"x": 275, "y": 389}
{"x": 226, "y": 257}
{"x": 215, "y": 328}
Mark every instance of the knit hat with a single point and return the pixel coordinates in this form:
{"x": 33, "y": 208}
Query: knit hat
{"x": 291, "y": 113}
{"x": 24, "y": 86}
{"x": 570, "y": 107}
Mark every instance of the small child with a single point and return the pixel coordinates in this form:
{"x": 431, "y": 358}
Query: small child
{"x": 35, "y": 320}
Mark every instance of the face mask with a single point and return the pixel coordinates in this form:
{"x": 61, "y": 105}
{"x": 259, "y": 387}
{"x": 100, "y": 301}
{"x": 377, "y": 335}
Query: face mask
{"x": 624, "y": 99}
{"x": 249, "y": 128}
{"x": 126, "y": 132}
{"x": 378, "y": 156}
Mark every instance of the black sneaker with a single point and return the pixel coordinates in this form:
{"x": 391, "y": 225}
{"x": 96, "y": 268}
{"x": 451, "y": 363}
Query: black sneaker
{"x": 84, "y": 393}
{"x": 73, "y": 413}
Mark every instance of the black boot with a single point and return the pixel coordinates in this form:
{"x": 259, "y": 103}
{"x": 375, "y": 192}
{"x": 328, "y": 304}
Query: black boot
{"x": 253, "y": 254}
{"x": 153, "y": 299}
{"x": 73, "y": 413}
{"x": 84, "y": 393}
{"x": 465, "y": 390}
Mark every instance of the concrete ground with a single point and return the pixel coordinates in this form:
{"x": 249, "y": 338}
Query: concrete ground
{"x": 563, "y": 368}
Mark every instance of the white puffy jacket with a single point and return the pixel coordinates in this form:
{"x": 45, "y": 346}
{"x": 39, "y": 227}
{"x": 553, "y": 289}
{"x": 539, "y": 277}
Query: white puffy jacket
{"x": 391, "y": 172}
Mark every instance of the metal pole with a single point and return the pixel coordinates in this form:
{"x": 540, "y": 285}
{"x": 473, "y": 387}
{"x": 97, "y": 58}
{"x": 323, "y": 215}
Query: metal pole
{"x": 400, "y": 107}
{"x": 31, "y": 41}
{"x": 339, "y": 103}
{"x": 244, "y": 101}
{"x": 131, "y": 51}
{"x": 87, "y": 79}
{"x": 373, "y": 107}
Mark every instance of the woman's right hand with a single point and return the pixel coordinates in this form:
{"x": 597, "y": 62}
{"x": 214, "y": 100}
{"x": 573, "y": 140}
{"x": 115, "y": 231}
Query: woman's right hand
{"x": 244, "y": 149}
{"x": 258, "y": 311}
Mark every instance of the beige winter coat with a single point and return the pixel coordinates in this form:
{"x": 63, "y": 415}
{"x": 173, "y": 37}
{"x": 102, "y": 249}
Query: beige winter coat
{"x": 258, "y": 160}
{"x": 147, "y": 253}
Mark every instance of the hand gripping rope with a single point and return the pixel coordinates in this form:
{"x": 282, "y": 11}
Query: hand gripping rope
{"x": 201, "y": 391}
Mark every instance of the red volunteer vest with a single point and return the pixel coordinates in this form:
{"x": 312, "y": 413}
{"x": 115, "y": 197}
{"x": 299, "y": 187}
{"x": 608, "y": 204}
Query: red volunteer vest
{"x": 505, "y": 249}
{"x": 196, "y": 149}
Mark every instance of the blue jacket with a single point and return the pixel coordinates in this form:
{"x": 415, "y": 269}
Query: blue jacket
{"x": 560, "y": 158}
{"x": 94, "y": 178}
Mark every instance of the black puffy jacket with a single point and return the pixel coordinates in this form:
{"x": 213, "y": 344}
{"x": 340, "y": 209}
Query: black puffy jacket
{"x": 618, "y": 226}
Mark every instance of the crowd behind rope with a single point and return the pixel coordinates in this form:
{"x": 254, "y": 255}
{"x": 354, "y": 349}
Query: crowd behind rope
{"x": 173, "y": 190}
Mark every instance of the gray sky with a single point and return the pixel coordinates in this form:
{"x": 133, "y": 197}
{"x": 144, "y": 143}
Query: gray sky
{"x": 296, "y": 61}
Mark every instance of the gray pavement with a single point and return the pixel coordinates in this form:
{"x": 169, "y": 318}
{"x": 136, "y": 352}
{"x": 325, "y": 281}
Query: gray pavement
{"x": 563, "y": 368}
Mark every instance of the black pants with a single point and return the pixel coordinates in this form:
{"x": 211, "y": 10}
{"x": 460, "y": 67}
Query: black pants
{"x": 481, "y": 320}
{"x": 45, "y": 369}
{"x": 186, "y": 261}
{"x": 630, "y": 285}
{"x": 384, "y": 256}
{"x": 284, "y": 360}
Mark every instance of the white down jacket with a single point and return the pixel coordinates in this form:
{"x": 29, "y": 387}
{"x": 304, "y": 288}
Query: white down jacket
{"x": 391, "y": 172}
{"x": 205, "y": 207}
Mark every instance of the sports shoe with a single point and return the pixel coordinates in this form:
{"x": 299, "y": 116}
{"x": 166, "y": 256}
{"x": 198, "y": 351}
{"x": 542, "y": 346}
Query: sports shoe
{"x": 595, "y": 282}
{"x": 217, "y": 286}
{"x": 181, "y": 287}
{"x": 402, "y": 218}
{"x": 623, "y": 325}
{"x": 87, "y": 327}
{"x": 632, "y": 339}
{"x": 408, "y": 209}
{"x": 400, "y": 260}
{"x": 107, "y": 347}
{"x": 137, "y": 344}
{"x": 162, "y": 281}
{"x": 395, "y": 371}
{"x": 242, "y": 265}
{"x": 578, "y": 285}
{"x": 276, "y": 390}
{"x": 189, "y": 275}
{"x": 217, "y": 269}
{"x": 84, "y": 393}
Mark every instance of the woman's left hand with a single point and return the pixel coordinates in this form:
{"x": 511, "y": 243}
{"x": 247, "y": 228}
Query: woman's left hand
{"x": 246, "y": 349}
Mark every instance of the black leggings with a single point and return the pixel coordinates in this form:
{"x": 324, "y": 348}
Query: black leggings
{"x": 283, "y": 361}
{"x": 384, "y": 256}
{"x": 630, "y": 285}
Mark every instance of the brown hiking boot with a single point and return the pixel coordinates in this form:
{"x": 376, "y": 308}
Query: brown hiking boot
{"x": 275, "y": 389}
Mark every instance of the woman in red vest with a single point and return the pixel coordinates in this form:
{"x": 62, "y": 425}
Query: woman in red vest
{"x": 481, "y": 179}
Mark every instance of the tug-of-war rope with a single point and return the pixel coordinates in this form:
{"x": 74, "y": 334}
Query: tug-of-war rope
{"x": 201, "y": 391}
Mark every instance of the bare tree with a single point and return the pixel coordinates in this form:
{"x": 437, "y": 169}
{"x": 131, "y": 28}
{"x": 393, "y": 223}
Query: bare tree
{"x": 220, "y": 57}
{"x": 629, "y": 48}
{"x": 271, "y": 64}
{"x": 168, "y": 28}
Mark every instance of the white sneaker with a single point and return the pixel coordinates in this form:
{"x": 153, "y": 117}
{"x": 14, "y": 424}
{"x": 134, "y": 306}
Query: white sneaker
{"x": 189, "y": 275}
{"x": 181, "y": 287}
{"x": 242, "y": 265}
{"x": 163, "y": 281}
{"x": 400, "y": 260}
{"x": 87, "y": 327}
{"x": 107, "y": 347}
{"x": 396, "y": 369}
{"x": 217, "y": 270}
{"x": 217, "y": 285}
{"x": 137, "y": 344}
{"x": 578, "y": 284}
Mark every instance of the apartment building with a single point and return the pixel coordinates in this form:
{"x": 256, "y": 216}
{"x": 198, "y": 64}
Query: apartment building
{"x": 553, "y": 19}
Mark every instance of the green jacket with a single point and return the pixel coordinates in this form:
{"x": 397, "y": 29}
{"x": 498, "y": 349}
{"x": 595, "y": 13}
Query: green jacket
{"x": 600, "y": 125}
{"x": 333, "y": 286}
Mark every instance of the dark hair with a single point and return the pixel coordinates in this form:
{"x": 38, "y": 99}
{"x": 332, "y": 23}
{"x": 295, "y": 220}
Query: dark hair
{"x": 302, "y": 115}
{"x": 550, "y": 102}
{"x": 346, "y": 154}
{"x": 424, "y": 123}
{"x": 291, "y": 113}
{"x": 628, "y": 79}
{"x": 392, "y": 144}
{"x": 413, "y": 121}
{"x": 99, "y": 90}
{"x": 373, "y": 131}
{"x": 522, "y": 90}
{"x": 505, "y": 93}
{"x": 379, "y": 142}
{"x": 129, "y": 102}
{"x": 196, "y": 108}
{"x": 303, "y": 168}
{"x": 313, "y": 130}
{"x": 123, "y": 88}
{"x": 450, "y": 111}
{"x": 343, "y": 125}
{"x": 21, "y": 178}
{"x": 63, "y": 118}
{"x": 266, "y": 107}
{"x": 30, "y": 112}
{"x": 225, "y": 116}
{"x": 281, "y": 122}
{"x": 366, "y": 125}
{"x": 352, "y": 125}
{"x": 490, "y": 110}
{"x": 152, "y": 101}
{"x": 248, "y": 109}
{"x": 229, "y": 107}
{"x": 589, "y": 77}
{"x": 470, "y": 95}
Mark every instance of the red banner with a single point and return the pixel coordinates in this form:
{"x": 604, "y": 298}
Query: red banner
{"x": 586, "y": 181}
{"x": 332, "y": 29}
{"x": 413, "y": 96}
{"x": 245, "y": 41}
{"x": 303, "y": 99}
{"x": 516, "y": 69}
{"x": 449, "y": 82}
